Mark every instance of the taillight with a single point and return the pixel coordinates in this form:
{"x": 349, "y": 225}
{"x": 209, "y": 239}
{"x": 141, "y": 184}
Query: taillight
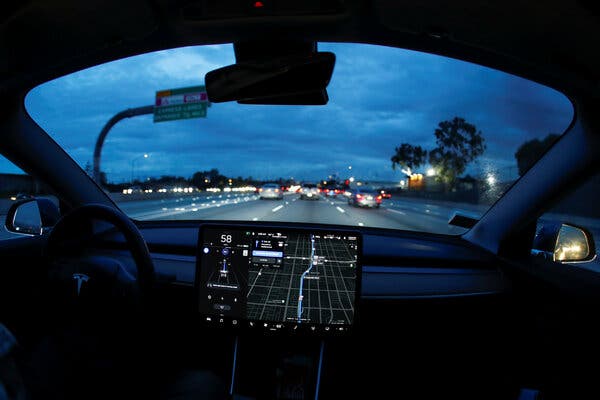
{"x": 359, "y": 196}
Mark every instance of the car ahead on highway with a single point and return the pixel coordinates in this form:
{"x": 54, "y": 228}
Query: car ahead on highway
{"x": 310, "y": 191}
{"x": 480, "y": 282}
{"x": 385, "y": 194}
{"x": 331, "y": 191}
{"x": 270, "y": 191}
{"x": 365, "y": 198}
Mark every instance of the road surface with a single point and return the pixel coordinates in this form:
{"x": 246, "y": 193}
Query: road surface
{"x": 394, "y": 214}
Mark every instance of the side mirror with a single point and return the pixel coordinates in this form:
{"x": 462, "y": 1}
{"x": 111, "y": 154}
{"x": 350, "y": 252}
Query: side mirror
{"x": 564, "y": 243}
{"x": 32, "y": 216}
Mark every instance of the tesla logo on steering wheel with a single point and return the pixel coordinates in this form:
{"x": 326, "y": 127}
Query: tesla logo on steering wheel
{"x": 80, "y": 278}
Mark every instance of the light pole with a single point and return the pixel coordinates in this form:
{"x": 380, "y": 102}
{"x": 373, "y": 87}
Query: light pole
{"x": 128, "y": 113}
{"x": 145, "y": 155}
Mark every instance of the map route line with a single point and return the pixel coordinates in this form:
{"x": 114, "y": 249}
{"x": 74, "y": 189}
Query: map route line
{"x": 300, "y": 295}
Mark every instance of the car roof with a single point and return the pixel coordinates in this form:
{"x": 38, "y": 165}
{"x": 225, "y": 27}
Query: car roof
{"x": 543, "y": 41}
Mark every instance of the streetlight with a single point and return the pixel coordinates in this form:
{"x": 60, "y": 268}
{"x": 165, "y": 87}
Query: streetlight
{"x": 145, "y": 155}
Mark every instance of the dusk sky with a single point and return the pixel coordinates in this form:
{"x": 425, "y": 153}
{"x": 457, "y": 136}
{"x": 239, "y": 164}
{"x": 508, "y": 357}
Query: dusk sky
{"x": 379, "y": 98}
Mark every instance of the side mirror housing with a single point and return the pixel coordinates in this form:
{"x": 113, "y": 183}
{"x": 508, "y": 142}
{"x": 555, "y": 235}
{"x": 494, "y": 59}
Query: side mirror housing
{"x": 32, "y": 216}
{"x": 564, "y": 243}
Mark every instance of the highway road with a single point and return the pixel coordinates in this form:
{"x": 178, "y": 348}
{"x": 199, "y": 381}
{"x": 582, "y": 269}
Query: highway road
{"x": 394, "y": 214}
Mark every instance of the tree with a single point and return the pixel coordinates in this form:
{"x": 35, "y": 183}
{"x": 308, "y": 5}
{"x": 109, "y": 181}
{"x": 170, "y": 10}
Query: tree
{"x": 213, "y": 174}
{"x": 198, "y": 179}
{"x": 409, "y": 156}
{"x": 458, "y": 144}
{"x": 529, "y": 152}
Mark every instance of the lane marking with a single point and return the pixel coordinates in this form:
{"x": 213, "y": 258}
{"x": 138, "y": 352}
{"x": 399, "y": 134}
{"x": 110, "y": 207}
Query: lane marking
{"x": 162, "y": 212}
{"x": 340, "y": 209}
{"x": 396, "y": 211}
{"x": 279, "y": 207}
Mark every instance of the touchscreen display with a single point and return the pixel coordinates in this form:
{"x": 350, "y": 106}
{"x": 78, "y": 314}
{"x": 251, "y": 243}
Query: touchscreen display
{"x": 278, "y": 278}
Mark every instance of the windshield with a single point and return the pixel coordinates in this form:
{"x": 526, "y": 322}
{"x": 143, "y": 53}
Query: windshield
{"x": 436, "y": 135}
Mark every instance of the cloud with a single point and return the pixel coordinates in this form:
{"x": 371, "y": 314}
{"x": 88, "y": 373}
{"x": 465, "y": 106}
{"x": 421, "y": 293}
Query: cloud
{"x": 380, "y": 97}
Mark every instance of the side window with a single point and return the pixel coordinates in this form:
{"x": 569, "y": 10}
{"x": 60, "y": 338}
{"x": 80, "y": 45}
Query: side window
{"x": 16, "y": 185}
{"x": 570, "y": 232}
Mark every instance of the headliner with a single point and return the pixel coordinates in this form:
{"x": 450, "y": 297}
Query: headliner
{"x": 553, "y": 42}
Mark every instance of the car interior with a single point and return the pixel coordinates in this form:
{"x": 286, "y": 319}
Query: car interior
{"x": 95, "y": 303}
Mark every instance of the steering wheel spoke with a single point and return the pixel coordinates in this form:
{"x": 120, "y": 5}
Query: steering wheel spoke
{"x": 84, "y": 278}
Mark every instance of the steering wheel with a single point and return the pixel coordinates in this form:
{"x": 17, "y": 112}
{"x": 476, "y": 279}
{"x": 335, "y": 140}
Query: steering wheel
{"x": 90, "y": 275}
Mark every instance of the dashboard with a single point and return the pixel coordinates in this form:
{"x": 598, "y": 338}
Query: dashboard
{"x": 300, "y": 281}
{"x": 391, "y": 267}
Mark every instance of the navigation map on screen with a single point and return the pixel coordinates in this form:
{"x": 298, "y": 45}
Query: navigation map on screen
{"x": 286, "y": 277}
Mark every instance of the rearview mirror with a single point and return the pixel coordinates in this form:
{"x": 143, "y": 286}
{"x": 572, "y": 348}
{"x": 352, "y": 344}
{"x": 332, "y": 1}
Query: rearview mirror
{"x": 564, "y": 243}
{"x": 294, "y": 80}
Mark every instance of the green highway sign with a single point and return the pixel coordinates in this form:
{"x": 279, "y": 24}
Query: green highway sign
{"x": 183, "y": 103}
